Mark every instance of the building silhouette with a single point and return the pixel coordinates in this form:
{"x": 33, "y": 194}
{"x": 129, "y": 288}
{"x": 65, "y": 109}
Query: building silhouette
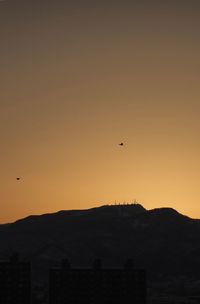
{"x": 15, "y": 281}
{"x": 97, "y": 285}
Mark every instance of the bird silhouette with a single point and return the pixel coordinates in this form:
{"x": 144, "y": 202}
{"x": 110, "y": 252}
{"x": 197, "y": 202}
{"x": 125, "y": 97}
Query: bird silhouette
{"x": 121, "y": 144}
{"x": 18, "y": 178}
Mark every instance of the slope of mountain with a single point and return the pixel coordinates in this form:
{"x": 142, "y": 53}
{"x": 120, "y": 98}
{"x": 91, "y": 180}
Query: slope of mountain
{"x": 161, "y": 240}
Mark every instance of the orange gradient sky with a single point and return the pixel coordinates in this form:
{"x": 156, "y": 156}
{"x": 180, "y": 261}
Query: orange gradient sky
{"x": 79, "y": 77}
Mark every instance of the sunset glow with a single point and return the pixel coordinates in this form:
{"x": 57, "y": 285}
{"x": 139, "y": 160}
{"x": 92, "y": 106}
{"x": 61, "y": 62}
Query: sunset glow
{"x": 78, "y": 79}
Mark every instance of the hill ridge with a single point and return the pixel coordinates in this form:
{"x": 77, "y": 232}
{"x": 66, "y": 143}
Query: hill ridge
{"x": 160, "y": 239}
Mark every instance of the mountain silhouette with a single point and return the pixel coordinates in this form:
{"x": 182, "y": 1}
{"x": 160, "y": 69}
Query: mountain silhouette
{"x": 161, "y": 240}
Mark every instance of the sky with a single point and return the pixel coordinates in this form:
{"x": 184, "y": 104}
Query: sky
{"x": 79, "y": 77}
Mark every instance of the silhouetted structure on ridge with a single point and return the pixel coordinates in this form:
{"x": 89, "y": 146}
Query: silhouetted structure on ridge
{"x": 97, "y": 285}
{"x": 15, "y": 281}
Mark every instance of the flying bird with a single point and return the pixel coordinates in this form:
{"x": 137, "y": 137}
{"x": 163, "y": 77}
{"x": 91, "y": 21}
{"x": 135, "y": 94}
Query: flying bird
{"x": 121, "y": 144}
{"x": 18, "y": 178}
